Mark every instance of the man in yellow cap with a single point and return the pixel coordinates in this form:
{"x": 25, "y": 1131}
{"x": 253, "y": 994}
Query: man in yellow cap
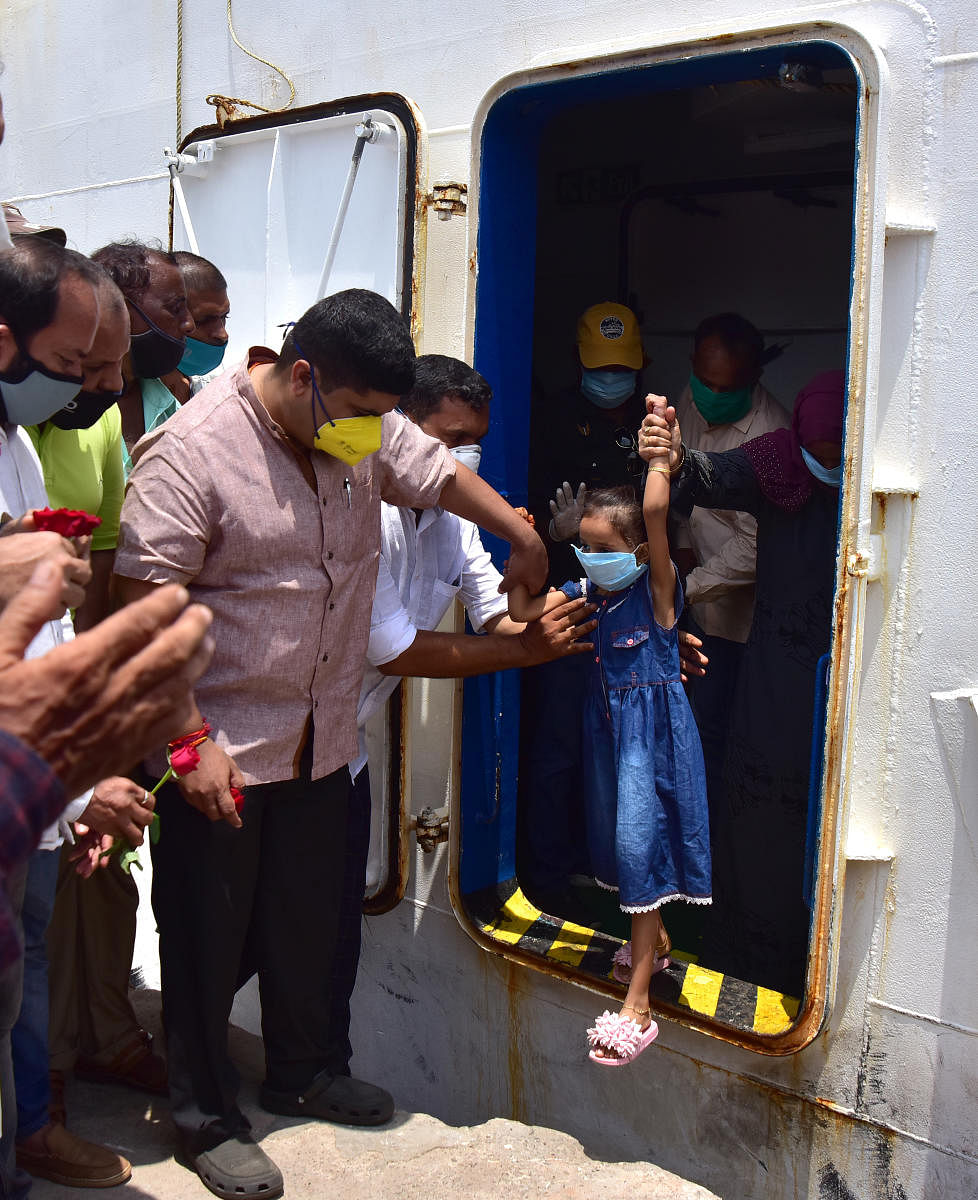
{"x": 585, "y": 437}
{"x": 590, "y": 428}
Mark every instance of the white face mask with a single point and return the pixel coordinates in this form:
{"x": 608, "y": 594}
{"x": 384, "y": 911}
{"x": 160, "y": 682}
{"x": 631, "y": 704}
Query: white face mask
{"x": 468, "y": 456}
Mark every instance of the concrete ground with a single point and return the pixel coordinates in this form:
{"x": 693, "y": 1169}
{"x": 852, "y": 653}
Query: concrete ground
{"x": 414, "y": 1155}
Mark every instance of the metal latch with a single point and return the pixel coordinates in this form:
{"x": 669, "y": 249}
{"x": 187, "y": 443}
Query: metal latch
{"x": 448, "y": 199}
{"x": 871, "y": 564}
{"x": 190, "y": 164}
{"x": 431, "y": 827}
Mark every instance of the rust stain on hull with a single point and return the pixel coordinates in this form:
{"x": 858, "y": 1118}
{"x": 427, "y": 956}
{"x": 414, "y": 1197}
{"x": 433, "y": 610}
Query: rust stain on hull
{"x": 514, "y": 1052}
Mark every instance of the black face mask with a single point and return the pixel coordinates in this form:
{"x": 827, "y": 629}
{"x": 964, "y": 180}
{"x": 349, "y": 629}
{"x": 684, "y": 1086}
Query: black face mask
{"x": 154, "y": 353}
{"x": 84, "y": 410}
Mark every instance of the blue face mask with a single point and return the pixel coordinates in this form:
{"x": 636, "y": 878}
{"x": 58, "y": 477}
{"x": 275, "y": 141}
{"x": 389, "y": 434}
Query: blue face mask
{"x": 830, "y": 475}
{"x": 30, "y": 393}
{"x": 469, "y": 456}
{"x": 612, "y": 571}
{"x": 200, "y": 358}
{"x": 607, "y": 389}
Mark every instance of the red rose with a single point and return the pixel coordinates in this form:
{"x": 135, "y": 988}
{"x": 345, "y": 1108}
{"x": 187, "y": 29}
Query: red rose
{"x": 183, "y": 760}
{"x": 237, "y": 795}
{"x": 69, "y": 522}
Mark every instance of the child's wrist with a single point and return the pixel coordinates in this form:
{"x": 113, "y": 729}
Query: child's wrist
{"x": 674, "y": 471}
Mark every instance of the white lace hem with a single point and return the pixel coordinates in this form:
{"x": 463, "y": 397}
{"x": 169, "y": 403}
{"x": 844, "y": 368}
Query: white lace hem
{"x": 644, "y": 908}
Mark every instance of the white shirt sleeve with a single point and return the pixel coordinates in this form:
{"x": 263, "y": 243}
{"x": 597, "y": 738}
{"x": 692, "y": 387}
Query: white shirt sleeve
{"x": 479, "y": 586}
{"x": 391, "y": 629}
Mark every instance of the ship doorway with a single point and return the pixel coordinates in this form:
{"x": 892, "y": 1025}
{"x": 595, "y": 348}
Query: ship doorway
{"x": 722, "y": 183}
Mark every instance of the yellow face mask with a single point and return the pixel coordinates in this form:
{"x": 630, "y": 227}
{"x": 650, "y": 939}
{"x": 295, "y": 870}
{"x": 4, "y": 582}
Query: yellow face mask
{"x": 350, "y": 438}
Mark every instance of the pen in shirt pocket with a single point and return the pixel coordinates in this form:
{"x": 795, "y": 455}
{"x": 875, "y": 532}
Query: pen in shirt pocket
{"x": 349, "y": 493}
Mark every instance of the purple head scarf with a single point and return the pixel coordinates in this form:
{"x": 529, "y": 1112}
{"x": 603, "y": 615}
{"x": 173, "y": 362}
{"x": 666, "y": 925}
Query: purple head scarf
{"x": 776, "y": 457}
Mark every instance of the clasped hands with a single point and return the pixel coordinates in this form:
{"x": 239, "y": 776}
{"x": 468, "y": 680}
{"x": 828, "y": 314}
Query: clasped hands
{"x": 659, "y": 434}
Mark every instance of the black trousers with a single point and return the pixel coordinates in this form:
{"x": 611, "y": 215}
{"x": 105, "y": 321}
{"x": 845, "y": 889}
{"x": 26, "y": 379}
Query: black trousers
{"x": 711, "y": 698}
{"x": 272, "y": 887}
{"x": 346, "y": 957}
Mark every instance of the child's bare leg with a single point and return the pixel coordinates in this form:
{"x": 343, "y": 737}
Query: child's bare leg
{"x": 647, "y": 933}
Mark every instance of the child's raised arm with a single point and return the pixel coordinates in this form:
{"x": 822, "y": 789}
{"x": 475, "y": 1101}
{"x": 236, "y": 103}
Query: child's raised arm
{"x": 655, "y": 509}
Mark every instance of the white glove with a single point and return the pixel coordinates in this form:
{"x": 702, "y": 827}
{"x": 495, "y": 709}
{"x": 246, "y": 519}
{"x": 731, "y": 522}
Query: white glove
{"x": 567, "y": 510}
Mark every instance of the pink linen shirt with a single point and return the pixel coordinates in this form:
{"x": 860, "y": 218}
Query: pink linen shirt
{"x": 282, "y": 545}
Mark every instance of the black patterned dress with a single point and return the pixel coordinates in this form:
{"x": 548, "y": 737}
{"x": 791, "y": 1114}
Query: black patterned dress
{"x": 759, "y": 925}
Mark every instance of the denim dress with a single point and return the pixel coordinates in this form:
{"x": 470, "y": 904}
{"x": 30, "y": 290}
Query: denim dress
{"x": 645, "y": 786}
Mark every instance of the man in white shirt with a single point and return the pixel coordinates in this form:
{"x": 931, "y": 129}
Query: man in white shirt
{"x": 723, "y": 405}
{"x": 428, "y": 558}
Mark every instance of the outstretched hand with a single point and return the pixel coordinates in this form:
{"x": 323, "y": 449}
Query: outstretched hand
{"x": 566, "y": 508}
{"x": 558, "y": 632}
{"x": 116, "y": 693}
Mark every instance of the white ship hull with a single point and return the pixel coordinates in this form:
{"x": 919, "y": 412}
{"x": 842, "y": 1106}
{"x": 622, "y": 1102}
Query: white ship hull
{"x": 873, "y": 1090}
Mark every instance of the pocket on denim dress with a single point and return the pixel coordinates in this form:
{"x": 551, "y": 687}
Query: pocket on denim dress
{"x": 626, "y": 639}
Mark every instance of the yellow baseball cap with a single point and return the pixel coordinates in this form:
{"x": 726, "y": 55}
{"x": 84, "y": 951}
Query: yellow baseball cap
{"x": 608, "y": 336}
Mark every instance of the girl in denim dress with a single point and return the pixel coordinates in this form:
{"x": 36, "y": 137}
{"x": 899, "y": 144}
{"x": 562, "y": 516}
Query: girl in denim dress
{"x": 645, "y": 787}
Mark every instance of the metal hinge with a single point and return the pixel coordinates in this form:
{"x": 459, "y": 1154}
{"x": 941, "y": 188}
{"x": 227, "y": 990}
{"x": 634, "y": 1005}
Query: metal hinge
{"x": 871, "y": 564}
{"x": 448, "y": 199}
{"x": 431, "y": 828}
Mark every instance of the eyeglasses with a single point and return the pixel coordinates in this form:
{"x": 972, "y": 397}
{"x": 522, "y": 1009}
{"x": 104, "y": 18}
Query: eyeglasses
{"x": 627, "y": 441}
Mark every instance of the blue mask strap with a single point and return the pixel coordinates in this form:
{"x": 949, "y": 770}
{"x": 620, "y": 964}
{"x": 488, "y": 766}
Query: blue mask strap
{"x": 316, "y": 396}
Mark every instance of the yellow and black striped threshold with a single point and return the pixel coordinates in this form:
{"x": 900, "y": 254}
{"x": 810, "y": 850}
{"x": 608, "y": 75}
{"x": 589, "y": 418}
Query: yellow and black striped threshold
{"x": 506, "y": 916}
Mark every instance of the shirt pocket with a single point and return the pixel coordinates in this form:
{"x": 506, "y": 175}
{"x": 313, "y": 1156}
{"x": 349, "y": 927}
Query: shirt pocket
{"x": 440, "y": 601}
{"x": 630, "y": 639}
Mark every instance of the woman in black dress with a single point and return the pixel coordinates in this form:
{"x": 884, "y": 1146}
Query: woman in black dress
{"x": 789, "y": 480}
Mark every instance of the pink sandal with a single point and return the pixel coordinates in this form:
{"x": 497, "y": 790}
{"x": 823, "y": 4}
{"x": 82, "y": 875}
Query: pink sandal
{"x": 622, "y": 969}
{"x": 621, "y": 1035}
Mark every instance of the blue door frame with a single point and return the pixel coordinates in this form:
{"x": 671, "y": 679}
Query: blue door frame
{"x": 504, "y": 316}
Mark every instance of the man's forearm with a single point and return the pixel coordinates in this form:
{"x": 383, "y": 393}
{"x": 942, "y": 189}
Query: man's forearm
{"x": 95, "y": 606}
{"x": 468, "y": 496}
{"x": 457, "y": 655}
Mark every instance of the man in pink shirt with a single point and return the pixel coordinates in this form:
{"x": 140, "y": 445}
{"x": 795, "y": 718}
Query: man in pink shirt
{"x": 264, "y": 496}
